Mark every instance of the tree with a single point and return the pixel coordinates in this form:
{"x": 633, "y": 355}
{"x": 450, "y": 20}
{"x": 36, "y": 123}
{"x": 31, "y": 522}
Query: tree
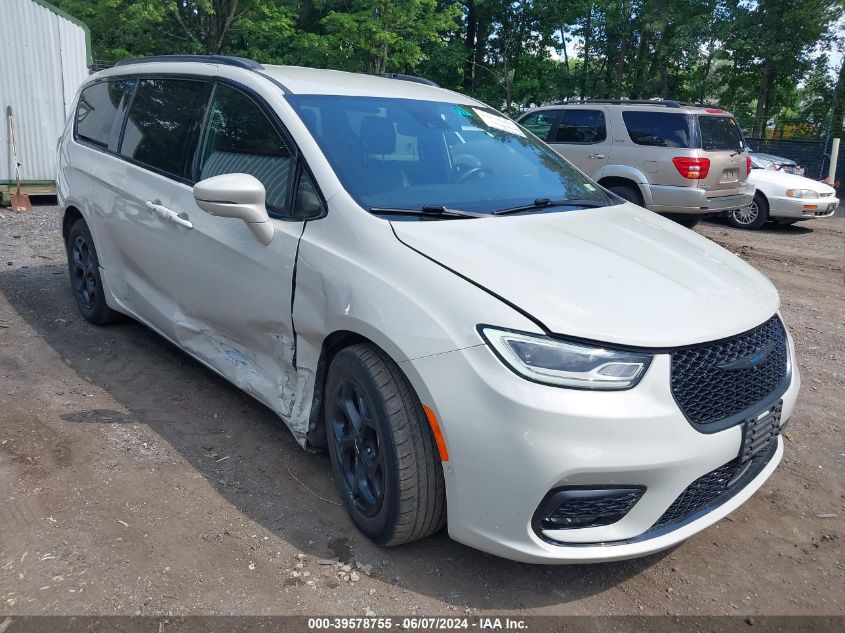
{"x": 120, "y": 28}
{"x": 382, "y": 35}
{"x": 815, "y": 96}
{"x": 206, "y": 22}
{"x": 838, "y": 104}
{"x": 777, "y": 56}
{"x": 754, "y": 57}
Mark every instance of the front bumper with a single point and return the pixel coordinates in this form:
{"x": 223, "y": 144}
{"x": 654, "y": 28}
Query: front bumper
{"x": 510, "y": 441}
{"x": 694, "y": 200}
{"x": 797, "y": 208}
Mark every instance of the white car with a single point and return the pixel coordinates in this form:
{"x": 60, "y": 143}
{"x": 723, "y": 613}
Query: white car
{"x": 784, "y": 198}
{"x": 479, "y": 334}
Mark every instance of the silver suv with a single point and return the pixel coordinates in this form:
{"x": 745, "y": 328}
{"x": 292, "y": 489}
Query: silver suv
{"x": 680, "y": 160}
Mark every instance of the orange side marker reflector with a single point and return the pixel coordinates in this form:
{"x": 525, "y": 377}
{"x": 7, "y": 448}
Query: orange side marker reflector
{"x": 438, "y": 434}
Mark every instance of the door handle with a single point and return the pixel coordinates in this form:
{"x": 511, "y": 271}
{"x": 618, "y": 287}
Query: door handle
{"x": 599, "y": 156}
{"x": 168, "y": 214}
{"x": 156, "y": 208}
{"x": 177, "y": 219}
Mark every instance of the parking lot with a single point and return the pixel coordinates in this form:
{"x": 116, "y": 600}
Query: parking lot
{"x": 134, "y": 480}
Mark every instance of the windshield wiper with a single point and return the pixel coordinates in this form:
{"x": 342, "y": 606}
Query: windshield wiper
{"x": 542, "y": 203}
{"x": 428, "y": 211}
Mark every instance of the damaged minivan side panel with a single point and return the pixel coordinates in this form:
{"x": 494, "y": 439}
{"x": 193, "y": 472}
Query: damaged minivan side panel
{"x": 343, "y": 287}
{"x": 232, "y": 306}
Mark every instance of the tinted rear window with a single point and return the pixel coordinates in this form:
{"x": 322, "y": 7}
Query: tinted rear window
{"x": 659, "y": 129}
{"x": 100, "y": 112}
{"x": 720, "y": 133}
{"x": 163, "y": 121}
{"x": 581, "y": 126}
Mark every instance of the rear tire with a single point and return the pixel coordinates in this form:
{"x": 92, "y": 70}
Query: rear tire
{"x": 751, "y": 217}
{"x": 85, "y": 281}
{"x": 383, "y": 454}
{"x": 684, "y": 219}
{"x": 631, "y": 194}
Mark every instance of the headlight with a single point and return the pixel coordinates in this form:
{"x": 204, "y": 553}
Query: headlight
{"x": 566, "y": 364}
{"x": 801, "y": 193}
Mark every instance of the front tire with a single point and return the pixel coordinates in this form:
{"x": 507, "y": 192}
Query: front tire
{"x": 383, "y": 453}
{"x": 751, "y": 217}
{"x": 85, "y": 281}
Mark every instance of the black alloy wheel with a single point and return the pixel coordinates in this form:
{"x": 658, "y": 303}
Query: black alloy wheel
{"x": 384, "y": 457}
{"x": 85, "y": 280}
{"x": 82, "y": 273}
{"x": 358, "y": 448}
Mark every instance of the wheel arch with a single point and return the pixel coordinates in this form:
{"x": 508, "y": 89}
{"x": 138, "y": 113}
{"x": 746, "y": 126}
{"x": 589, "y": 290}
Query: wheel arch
{"x": 628, "y": 179}
{"x": 71, "y": 215}
{"x": 332, "y": 344}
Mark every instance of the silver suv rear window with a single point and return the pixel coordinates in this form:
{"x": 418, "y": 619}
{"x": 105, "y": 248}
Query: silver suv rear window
{"x": 720, "y": 133}
{"x": 660, "y": 129}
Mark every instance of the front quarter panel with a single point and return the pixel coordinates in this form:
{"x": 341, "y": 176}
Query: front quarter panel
{"x": 354, "y": 275}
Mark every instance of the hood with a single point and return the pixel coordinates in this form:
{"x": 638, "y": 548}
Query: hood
{"x": 618, "y": 274}
{"x": 788, "y": 181}
{"x": 780, "y": 160}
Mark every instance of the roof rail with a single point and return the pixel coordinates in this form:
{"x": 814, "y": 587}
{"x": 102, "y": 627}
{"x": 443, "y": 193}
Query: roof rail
{"x": 401, "y": 77}
{"x": 702, "y": 105}
{"x": 668, "y": 103}
{"x": 226, "y": 60}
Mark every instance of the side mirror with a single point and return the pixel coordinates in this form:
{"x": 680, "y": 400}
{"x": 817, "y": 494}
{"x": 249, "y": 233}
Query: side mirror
{"x": 238, "y": 196}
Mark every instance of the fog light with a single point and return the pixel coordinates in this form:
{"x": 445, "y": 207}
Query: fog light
{"x": 576, "y": 507}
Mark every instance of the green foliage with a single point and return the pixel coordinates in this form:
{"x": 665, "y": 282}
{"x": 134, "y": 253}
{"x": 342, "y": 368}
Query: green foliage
{"x": 383, "y": 35}
{"x": 123, "y": 28}
{"x": 758, "y": 58}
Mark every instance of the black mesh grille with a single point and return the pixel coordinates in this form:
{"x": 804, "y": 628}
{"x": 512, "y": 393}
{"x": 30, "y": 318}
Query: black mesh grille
{"x": 706, "y": 392}
{"x": 758, "y": 447}
{"x": 592, "y": 512}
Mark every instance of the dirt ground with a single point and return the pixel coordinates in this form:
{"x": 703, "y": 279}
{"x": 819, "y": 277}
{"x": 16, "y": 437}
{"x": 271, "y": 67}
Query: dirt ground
{"x": 135, "y": 481}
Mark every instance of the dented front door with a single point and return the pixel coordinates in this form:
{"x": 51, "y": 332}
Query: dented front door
{"x": 233, "y": 299}
{"x": 233, "y": 294}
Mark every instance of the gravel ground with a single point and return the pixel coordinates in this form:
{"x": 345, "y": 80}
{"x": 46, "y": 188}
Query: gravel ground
{"x": 133, "y": 480}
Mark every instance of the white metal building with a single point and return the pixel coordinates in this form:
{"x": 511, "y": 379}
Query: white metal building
{"x": 44, "y": 57}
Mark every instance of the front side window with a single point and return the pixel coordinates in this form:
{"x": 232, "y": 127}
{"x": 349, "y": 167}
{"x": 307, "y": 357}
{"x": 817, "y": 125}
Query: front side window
{"x": 100, "y": 112}
{"x": 659, "y": 129}
{"x": 411, "y": 154}
{"x": 720, "y": 133}
{"x": 240, "y": 139}
{"x": 540, "y": 123}
{"x": 161, "y": 124}
{"x": 581, "y": 126}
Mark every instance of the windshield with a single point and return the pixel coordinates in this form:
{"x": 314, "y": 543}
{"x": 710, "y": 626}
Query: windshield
{"x": 758, "y": 162}
{"x": 409, "y": 154}
{"x": 720, "y": 133}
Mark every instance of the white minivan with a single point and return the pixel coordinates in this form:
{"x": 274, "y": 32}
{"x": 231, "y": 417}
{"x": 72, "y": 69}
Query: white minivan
{"x": 480, "y": 335}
